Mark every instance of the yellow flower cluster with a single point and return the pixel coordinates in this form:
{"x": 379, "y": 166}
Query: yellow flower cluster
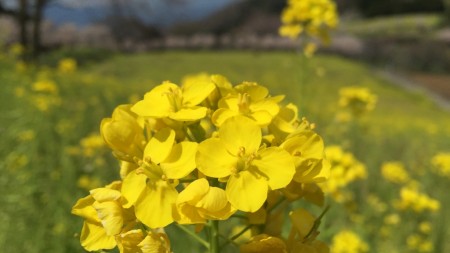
{"x": 441, "y": 163}
{"x": 412, "y": 199}
{"x": 357, "y": 100}
{"x": 314, "y": 18}
{"x": 45, "y": 95}
{"x": 198, "y": 153}
{"x": 345, "y": 169}
{"x": 395, "y": 172}
{"x": 347, "y": 241}
{"x": 417, "y": 243}
{"x": 67, "y": 65}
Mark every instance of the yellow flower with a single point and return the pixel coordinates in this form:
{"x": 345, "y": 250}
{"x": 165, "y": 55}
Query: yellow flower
{"x": 180, "y": 104}
{"x": 307, "y": 149}
{"x": 104, "y": 217}
{"x": 151, "y": 187}
{"x": 123, "y": 133}
{"x": 395, "y": 172}
{"x": 441, "y": 163}
{"x": 67, "y": 65}
{"x": 134, "y": 241}
{"x": 45, "y": 86}
{"x": 411, "y": 198}
{"x": 357, "y": 100}
{"x": 252, "y": 170}
{"x": 264, "y": 244}
{"x": 250, "y": 100}
{"x": 347, "y": 241}
{"x": 198, "y": 202}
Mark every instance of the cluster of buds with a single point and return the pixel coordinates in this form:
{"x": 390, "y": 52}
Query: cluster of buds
{"x": 201, "y": 153}
{"x": 311, "y": 18}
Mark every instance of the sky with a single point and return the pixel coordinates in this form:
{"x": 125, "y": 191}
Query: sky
{"x": 158, "y": 12}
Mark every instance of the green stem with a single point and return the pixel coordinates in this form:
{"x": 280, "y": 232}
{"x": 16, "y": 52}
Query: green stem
{"x": 194, "y": 235}
{"x": 214, "y": 236}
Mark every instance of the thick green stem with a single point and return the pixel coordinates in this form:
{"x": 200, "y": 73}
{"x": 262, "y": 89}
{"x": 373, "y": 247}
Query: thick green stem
{"x": 214, "y": 236}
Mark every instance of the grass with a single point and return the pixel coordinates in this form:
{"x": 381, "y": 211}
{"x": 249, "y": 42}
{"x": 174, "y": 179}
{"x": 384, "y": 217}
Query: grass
{"x": 40, "y": 176}
{"x": 399, "y": 26}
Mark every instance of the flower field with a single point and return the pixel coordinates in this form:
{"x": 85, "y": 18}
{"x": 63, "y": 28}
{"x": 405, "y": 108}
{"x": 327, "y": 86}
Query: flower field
{"x": 388, "y": 152}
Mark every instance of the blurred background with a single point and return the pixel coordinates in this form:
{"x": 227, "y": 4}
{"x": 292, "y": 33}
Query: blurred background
{"x": 66, "y": 64}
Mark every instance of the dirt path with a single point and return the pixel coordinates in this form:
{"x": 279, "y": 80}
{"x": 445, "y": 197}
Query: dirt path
{"x": 437, "y": 87}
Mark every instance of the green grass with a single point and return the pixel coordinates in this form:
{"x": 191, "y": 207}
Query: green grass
{"x": 37, "y": 195}
{"x": 400, "y": 26}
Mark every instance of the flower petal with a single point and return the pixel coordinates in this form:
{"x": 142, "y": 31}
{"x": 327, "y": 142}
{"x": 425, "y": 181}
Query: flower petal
{"x": 186, "y": 214}
{"x": 160, "y": 146}
{"x": 189, "y": 114}
{"x": 154, "y": 104}
{"x": 277, "y": 165}
{"x": 194, "y": 192}
{"x": 84, "y": 208}
{"x": 194, "y": 94}
{"x": 110, "y": 215}
{"x": 213, "y": 159}
{"x": 154, "y": 206}
{"x": 214, "y": 200}
{"x": 240, "y": 132}
{"x": 94, "y": 238}
{"x": 181, "y": 160}
{"x": 222, "y": 114}
{"x": 262, "y": 118}
{"x": 132, "y": 186}
{"x": 246, "y": 192}
{"x": 105, "y": 194}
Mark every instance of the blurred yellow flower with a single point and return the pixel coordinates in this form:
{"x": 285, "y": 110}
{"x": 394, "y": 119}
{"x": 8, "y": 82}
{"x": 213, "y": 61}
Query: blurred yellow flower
{"x": 67, "y": 65}
{"x": 441, "y": 163}
{"x": 347, "y": 241}
{"x": 395, "y": 172}
{"x": 45, "y": 86}
{"x": 411, "y": 198}
{"x": 357, "y": 100}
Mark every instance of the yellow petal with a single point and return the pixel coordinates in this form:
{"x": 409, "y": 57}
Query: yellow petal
{"x": 94, "y": 238}
{"x": 303, "y": 221}
{"x": 186, "y": 214}
{"x": 128, "y": 242}
{"x": 105, "y": 194}
{"x": 110, "y": 215}
{"x": 84, "y": 208}
{"x": 262, "y": 118}
{"x": 313, "y": 171}
{"x": 154, "y": 104}
{"x": 256, "y": 92}
{"x": 246, "y": 192}
{"x": 305, "y": 145}
{"x": 277, "y": 165}
{"x": 189, "y": 114}
{"x": 194, "y": 192}
{"x": 160, "y": 146}
{"x": 197, "y": 92}
{"x": 132, "y": 187}
{"x": 155, "y": 243}
{"x": 213, "y": 159}
{"x": 265, "y": 105}
{"x": 214, "y": 201}
{"x": 154, "y": 206}
{"x": 222, "y": 114}
{"x": 181, "y": 160}
{"x": 240, "y": 132}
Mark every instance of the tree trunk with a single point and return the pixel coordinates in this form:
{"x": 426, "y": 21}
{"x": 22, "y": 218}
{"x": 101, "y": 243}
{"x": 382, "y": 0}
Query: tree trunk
{"x": 22, "y": 21}
{"x": 37, "y": 21}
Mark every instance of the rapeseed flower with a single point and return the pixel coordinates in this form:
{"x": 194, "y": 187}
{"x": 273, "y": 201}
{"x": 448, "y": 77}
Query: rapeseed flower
{"x": 170, "y": 101}
{"x": 199, "y": 202}
{"x": 151, "y": 187}
{"x": 395, "y": 172}
{"x": 67, "y": 65}
{"x": 250, "y": 100}
{"x": 252, "y": 169}
{"x": 347, "y": 241}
